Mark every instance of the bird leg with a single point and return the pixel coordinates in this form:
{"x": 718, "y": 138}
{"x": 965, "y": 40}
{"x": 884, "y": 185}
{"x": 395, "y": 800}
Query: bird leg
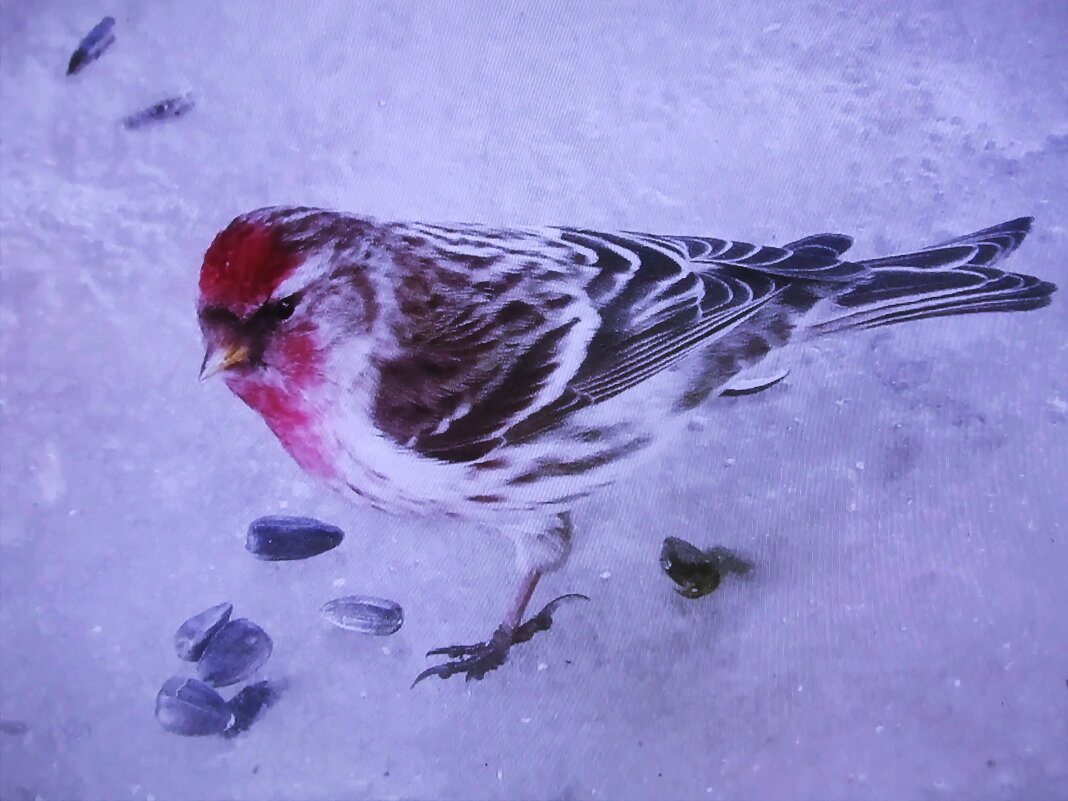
{"x": 479, "y": 659}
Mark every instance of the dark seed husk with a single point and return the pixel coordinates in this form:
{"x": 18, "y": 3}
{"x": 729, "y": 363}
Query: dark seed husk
{"x": 282, "y": 537}
{"x": 697, "y": 572}
{"x": 167, "y": 109}
{"x": 92, "y": 47}
{"x": 364, "y": 613}
{"x": 191, "y": 708}
{"x": 238, "y": 650}
{"x": 249, "y": 704}
{"x": 192, "y": 636}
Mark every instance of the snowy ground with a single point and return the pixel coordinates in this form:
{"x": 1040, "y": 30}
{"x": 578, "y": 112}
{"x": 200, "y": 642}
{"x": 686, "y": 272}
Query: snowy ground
{"x": 902, "y": 493}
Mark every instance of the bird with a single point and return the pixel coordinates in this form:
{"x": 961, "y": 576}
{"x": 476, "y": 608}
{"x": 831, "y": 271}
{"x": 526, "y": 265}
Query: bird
{"x": 499, "y": 375}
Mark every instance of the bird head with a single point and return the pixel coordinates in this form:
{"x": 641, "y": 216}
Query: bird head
{"x": 280, "y": 288}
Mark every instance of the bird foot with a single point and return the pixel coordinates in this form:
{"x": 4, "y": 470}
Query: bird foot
{"x": 479, "y": 659}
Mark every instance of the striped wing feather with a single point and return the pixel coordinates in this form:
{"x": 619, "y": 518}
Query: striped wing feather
{"x": 660, "y": 298}
{"x": 675, "y": 294}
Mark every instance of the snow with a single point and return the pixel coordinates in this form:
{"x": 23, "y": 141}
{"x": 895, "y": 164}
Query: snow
{"x": 901, "y": 492}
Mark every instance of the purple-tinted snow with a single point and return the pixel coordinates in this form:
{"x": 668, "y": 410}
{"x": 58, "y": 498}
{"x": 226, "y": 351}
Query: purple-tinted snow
{"x": 902, "y": 493}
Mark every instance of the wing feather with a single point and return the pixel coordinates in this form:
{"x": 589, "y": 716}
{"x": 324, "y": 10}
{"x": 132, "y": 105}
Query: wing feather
{"x": 677, "y": 294}
{"x": 654, "y": 301}
{"x": 532, "y": 326}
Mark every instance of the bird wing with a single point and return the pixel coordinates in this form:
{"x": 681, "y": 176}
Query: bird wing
{"x": 489, "y": 330}
{"x": 505, "y": 332}
{"x": 661, "y": 297}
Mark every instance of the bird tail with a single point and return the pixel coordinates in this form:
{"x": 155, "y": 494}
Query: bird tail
{"x": 953, "y": 277}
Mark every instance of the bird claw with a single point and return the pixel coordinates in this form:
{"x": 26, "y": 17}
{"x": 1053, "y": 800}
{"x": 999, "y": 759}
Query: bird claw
{"x": 475, "y": 660}
{"x": 543, "y": 620}
{"x": 479, "y": 659}
{"x": 458, "y": 651}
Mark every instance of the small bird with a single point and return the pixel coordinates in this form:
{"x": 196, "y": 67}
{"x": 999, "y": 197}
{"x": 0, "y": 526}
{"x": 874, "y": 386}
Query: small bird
{"x": 500, "y": 375}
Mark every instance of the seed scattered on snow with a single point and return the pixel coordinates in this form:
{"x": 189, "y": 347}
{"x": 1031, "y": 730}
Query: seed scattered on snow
{"x": 249, "y": 704}
{"x": 92, "y": 47}
{"x": 238, "y": 650}
{"x": 284, "y": 538}
{"x": 364, "y": 613}
{"x": 168, "y": 109}
{"x": 192, "y": 636}
{"x": 191, "y": 708}
{"x": 698, "y": 572}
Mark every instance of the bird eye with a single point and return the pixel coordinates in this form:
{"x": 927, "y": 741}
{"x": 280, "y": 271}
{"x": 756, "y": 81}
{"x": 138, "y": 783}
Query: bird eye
{"x": 284, "y": 308}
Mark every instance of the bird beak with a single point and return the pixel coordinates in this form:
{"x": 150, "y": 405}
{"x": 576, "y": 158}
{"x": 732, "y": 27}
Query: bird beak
{"x": 221, "y": 358}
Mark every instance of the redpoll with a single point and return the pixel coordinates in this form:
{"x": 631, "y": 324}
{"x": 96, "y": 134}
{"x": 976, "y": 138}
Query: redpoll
{"x": 502, "y": 374}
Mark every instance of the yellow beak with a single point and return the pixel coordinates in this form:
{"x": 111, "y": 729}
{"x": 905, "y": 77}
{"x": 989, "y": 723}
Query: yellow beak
{"x": 222, "y": 358}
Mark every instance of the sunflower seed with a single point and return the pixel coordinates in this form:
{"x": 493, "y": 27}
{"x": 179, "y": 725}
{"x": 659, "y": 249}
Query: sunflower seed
{"x": 281, "y": 537}
{"x": 238, "y": 650}
{"x": 157, "y": 112}
{"x": 191, "y": 708}
{"x": 249, "y": 704}
{"x": 192, "y": 636}
{"x": 364, "y": 613}
{"x": 92, "y": 47}
{"x": 698, "y": 572}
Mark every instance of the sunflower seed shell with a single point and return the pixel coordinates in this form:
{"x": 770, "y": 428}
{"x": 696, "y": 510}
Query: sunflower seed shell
{"x": 192, "y": 636}
{"x": 282, "y": 537}
{"x": 249, "y": 704}
{"x": 364, "y": 613}
{"x": 92, "y": 47}
{"x": 238, "y": 650}
{"x": 191, "y": 708}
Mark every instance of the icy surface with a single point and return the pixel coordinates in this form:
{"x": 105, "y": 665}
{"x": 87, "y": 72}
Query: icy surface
{"x": 902, "y": 494}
